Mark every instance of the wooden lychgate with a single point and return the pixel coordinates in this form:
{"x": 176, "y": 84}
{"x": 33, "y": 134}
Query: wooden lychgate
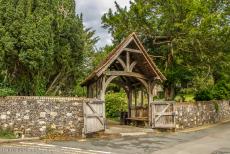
{"x": 130, "y": 67}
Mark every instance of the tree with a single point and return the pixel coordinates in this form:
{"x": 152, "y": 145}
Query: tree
{"x": 195, "y": 40}
{"x": 42, "y": 46}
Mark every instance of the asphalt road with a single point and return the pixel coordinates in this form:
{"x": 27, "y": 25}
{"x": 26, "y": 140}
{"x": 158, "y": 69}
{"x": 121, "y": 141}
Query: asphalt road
{"x": 215, "y": 140}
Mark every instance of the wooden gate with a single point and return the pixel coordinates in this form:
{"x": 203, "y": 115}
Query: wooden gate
{"x": 163, "y": 115}
{"x": 94, "y": 113}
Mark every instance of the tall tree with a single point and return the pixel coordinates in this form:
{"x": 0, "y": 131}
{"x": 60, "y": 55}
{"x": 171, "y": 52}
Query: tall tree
{"x": 42, "y": 46}
{"x": 195, "y": 36}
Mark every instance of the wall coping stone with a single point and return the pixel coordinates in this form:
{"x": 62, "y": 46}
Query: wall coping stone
{"x": 48, "y": 98}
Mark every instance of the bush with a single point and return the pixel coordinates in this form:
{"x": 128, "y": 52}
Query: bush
{"x": 221, "y": 91}
{"x": 115, "y": 103}
{"x": 203, "y": 95}
{"x": 7, "y": 133}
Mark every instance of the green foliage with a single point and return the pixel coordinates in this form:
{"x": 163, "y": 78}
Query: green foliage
{"x": 203, "y": 95}
{"x": 198, "y": 29}
{"x": 221, "y": 90}
{"x": 185, "y": 98}
{"x": 115, "y": 103}
{"x": 7, "y": 90}
{"x": 43, "y": 46}
{"x": 79, "y": 91}
{"x": 7, "y": 133}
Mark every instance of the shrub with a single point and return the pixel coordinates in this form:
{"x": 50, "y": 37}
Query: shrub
{"x": 221, "y": 91}
{"x": 7, "y": 133}
{"x": 115, "y": 103}
{"x": 204, "y": 95}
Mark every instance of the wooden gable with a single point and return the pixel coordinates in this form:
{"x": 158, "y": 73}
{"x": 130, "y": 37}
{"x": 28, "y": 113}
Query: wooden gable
{"x": 129, "y": 58}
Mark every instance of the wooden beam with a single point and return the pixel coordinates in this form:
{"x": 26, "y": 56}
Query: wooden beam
{"x": 124, "y": 73}
{"x": 113, "y": 58}
{"x": 132, "y": 66}
{"x": 142, "y": 97}
{"x": 122, "y": 63}
{"x": 122, "y": 78}
{"x": 132, "y": 50}
{"x": 130, "y": 97}
{"x": 135, "y": 96}
{"x": 128, "y": 61}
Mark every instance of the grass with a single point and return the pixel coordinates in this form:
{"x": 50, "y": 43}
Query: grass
{"x": 7, "y": 134}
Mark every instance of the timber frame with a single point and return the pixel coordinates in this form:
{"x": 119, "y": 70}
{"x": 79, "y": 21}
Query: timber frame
{"x": 129, "y": 66}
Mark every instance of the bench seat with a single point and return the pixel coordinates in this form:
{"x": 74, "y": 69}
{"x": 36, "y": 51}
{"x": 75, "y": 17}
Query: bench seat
{"x": 138, "y": 120}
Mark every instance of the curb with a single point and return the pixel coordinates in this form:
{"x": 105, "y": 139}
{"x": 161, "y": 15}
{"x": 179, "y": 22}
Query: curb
{"x": 133, "y": 134}
{"x": 202, "y": 127}
{"x": 3, "y": 141}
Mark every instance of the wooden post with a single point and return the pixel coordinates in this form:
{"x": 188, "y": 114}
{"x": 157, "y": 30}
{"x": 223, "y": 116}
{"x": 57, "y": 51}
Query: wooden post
{"x": 150, "y": 100}
{"x": 103, "y": 89}
{"x": 142, "y": 97}
{"x": 129, "y": 102}
{"x": 135, "y": 96}
{"x": 88, "y": 91}
{"x": 102, "y": 97}
{"x": 128, "y": 61}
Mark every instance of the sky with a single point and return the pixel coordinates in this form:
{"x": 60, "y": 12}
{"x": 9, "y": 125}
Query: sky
{"x": 92, "y": 11}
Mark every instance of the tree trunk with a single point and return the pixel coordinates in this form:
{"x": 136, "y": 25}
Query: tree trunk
{"x": 169, "y": 88}
{"x": 169, "y": 92}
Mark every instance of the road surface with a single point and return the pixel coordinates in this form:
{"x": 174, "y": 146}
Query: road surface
{"x": 215, "y": 140}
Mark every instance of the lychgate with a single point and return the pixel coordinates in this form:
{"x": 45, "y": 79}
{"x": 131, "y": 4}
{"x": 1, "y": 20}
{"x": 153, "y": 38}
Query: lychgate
{"x": 129, "y": 66}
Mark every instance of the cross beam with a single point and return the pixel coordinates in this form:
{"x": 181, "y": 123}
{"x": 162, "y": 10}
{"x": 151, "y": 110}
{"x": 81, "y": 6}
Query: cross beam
{"x": 124, "y": 73}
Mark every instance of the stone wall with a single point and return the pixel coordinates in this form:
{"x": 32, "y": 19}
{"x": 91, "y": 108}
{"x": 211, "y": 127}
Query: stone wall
{"x": 190, "y": 115}
{"x": 35, "y": 115}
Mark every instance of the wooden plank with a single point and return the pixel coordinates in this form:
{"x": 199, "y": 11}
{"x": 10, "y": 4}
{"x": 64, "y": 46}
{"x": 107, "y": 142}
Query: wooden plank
{"x": 122, "y": 63}
{"x": 94, "y": 115}
{"x": 95, "y": 112}
{"x": 132, "y": 65}
{"x": 161, "y": 113}
{"x": 164, "y": 114}
{"x": 163, "y": 102}
{"x": 132, "y": 50}
{"x": 124, "y": 73}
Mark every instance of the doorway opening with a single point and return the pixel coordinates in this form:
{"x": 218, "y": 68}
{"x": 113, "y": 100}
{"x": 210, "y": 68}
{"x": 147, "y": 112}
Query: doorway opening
{"x": 126, "y": 104}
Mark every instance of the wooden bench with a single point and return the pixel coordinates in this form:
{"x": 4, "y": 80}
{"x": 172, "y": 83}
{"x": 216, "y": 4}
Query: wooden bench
{"x": 138, "y": 120}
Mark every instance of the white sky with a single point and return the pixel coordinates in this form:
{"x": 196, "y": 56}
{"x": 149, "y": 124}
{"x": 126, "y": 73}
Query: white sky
{"x": 92, "y": 11}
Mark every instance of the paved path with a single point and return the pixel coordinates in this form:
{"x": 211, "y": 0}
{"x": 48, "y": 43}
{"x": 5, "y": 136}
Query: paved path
{"x": 214, "y": 140}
